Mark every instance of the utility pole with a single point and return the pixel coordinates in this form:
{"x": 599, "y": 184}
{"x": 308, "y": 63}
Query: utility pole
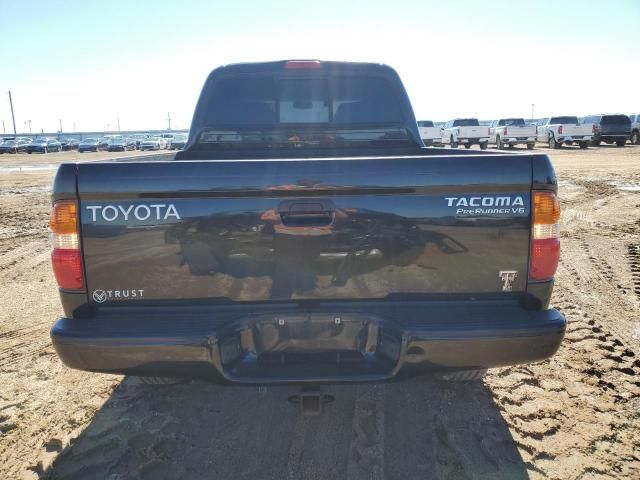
{"x": 118, "y": 123}
{"x": 29, "y": 122}
{"x": 74, "y": 127}
{"x": 13, "y": 118}
{"x": 60, "y": 120}
{"x": 4, "y": 132}
{"x": 169, "y": 120}
{"x": 532, "y": 111}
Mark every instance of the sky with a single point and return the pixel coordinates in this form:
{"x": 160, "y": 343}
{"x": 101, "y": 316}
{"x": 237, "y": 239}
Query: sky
{"x": 91, "y": 64}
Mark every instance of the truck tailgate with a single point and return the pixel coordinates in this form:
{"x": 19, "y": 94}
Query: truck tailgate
{"x": 304, "y": 229}
{"x": 473, "y": 132}
{"x": 528, "y": 131}
{"x": 576, "y": 130}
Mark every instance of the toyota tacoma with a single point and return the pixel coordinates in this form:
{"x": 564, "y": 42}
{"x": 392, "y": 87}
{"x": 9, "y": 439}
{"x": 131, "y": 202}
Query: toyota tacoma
{"x": 306, "y": 235}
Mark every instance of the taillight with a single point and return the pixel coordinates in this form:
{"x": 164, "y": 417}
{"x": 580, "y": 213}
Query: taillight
{"x": 545, "y": 241}
{"x": 506, "y": 131}
{"x": 594, "y": 128}
{"x": 65, "y": 257}
{"x": 560, "y": 129}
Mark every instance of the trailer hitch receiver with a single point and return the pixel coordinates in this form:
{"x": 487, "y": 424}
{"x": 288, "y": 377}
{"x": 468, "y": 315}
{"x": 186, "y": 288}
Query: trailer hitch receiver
{"x": 311, "y": 400}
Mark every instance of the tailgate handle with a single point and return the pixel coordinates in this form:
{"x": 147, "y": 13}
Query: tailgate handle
{"x": 307, "y": 213}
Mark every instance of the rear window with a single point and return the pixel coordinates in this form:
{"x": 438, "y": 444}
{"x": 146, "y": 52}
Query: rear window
{"x": 615, "y": 120}
{"x": 466, "y": 122}
{"x": 564, "y": 120}
{"x": 255, "y": 101}
{"x": 512, "y": 122}
{"x": 425, "y": 123}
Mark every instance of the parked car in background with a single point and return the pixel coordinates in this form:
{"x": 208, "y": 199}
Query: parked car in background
{"x": 69, "y": 143}
{"x": 556, "y": 131}
{"x": 615, "y": 128}
{"x": 89, "y": 145}
{"x": 429, "y": 133}
{"x": 44, "y": 145}
{"x": 152, "y": 143}
{"x": 104, "y": 142}
{"x": 139, "y": 137}
{"x": 512, "y": 131}
{"x": 121, "y": 144}
{"x": 465, "y": 131}
{"x": 15, "y": 145}
{"x": 635, "y": 128}
{"x": 178, "y": 142}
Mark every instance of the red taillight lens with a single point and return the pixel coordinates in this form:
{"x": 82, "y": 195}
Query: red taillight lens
{"x": 545, "y": 244}
{"x": 560, "y": 129}
{"x": 67, "y": 267}
{"x": 594, "y": 128}
{"x": 303, "y": 65}
{"x": 66, "y": 258}
{"x": 506, "y": 131}
{"x": 545, "y": 255}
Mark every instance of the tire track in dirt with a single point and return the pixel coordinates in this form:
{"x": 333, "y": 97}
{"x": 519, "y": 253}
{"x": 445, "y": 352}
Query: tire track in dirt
{"x": 366, "y": 455}
{"x": 633, "y": 254}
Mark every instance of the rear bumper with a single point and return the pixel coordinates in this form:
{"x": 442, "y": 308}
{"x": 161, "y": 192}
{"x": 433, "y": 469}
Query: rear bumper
{"x": 612, "y": 137}
{"x": 577, "y": 138}
{"x": 518, "y": 140}
{"x": 472, "y": 140}
{"x": 334, "y": 343}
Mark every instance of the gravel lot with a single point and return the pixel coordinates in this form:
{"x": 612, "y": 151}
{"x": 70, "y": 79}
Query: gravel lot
{"x": 575, "y": 416}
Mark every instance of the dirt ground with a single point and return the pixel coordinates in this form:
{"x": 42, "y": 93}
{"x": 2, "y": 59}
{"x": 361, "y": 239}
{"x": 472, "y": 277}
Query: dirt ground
{"x": 576, "y": 416}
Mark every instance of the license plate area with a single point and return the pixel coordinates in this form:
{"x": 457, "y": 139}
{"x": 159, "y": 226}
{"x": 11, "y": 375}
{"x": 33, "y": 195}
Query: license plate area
{"x": 310, "y": 347}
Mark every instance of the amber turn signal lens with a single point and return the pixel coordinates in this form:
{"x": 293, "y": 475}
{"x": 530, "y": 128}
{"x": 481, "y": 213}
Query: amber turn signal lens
{"x": 546, "y": 208}
{"x": 64, "y": 217}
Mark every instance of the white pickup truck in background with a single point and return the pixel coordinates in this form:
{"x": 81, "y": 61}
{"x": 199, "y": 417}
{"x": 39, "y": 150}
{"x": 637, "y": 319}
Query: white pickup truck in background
{"x": 429, "y": 133}
{"x": 507, "y": 132}
{"x": 465, "y": 131}
{"x": 556, "y": 131}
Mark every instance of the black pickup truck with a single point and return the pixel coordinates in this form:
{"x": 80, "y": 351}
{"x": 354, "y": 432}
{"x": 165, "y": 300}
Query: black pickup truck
{"x": 306, "y": 235}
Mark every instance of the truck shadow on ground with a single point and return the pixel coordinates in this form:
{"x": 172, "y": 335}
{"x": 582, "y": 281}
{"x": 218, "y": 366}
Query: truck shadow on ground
{"x": 418, "y": 428}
